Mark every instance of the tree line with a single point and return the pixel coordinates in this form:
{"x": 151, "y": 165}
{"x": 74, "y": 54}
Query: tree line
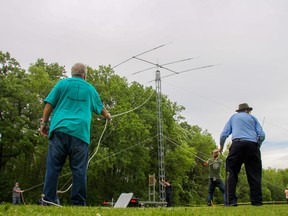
{"x": 128, "y": 151}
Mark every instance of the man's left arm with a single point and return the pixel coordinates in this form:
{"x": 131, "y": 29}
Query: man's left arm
{"x": 260, "y": 132}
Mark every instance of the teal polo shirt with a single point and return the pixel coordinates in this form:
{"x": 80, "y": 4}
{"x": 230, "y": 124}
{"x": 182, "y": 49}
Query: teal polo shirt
{"x": 73, "y": 101}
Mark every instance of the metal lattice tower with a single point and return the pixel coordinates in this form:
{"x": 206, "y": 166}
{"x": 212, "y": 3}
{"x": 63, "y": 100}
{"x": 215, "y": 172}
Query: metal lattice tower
{"x": 161, "y": 165}
{"x": 160, "y": 136}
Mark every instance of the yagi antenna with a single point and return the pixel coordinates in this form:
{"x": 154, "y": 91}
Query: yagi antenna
{"x": 141, "y": 54}
{"x": 157, "y": 65}
{"x": 169, "y": 63}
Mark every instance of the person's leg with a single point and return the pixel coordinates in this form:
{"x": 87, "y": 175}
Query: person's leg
{"x": 233, "y": 165}
{"x": 18, "y": 201}
{"x": 253, "y": 166}
{"x": 221, "y": 186}
{"x": 169, "y": 200}
{"x": 78, "y": 158}
{"x": 211, "y": 189}
{"x": 55, "y": 161}
{"x": 14, "y": 199}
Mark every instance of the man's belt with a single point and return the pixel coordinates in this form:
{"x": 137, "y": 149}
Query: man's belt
{"x": 241, "y": 140}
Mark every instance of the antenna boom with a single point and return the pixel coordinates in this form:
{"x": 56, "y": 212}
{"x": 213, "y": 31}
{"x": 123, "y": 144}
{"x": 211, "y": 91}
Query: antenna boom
{"x": 140, "y": 54}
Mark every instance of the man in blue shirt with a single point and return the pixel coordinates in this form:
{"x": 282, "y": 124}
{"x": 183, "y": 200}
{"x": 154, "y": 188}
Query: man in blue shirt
{"x": 72, "y": 100}
{"x": 247, "y": 137}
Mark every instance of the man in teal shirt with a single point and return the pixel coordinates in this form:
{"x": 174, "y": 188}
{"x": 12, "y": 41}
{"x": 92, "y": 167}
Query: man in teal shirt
{"x": 72, "y": 101}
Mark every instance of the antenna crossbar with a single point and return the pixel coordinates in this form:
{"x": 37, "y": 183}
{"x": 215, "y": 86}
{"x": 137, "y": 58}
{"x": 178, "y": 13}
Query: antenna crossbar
{"x": 140, "y": 54}
{"x": 169, "y": 63}
{"x": 157, "y": 65}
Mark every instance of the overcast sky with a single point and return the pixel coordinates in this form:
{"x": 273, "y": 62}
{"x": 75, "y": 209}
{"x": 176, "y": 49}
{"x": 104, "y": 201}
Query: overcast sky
{"x": 245, "y": 39}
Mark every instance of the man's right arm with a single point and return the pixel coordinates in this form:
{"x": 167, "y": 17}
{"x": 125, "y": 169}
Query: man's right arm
{"x": 165, "y": 183}
{"x": 225, "y": 133}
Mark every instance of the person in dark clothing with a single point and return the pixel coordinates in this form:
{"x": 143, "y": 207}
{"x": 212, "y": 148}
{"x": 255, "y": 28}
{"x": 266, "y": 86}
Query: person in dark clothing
{"x": 247, "y": 137}
{"x": 169, "y": 192}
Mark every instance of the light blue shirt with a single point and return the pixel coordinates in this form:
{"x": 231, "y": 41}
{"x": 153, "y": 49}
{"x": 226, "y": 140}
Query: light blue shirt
{"x": 73, "y": 101}
{"x": 243, "y": 126}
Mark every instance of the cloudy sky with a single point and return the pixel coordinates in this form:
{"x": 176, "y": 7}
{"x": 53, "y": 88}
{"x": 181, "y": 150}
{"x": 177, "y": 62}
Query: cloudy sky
{"x": 246, "y": 40}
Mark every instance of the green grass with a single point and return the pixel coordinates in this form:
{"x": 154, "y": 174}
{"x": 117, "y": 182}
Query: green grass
{"x": 32, "y": 210}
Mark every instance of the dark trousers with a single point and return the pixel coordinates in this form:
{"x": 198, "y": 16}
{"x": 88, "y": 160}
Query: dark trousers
{"x": 248, "y": 153}
{"x": 169, "y": 199}
{"x": 212, "y": 185}
{"x": 62, "y": 145}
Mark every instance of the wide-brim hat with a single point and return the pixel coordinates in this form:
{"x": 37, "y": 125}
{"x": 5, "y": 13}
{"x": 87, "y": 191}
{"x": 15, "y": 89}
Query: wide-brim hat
{"x": 244, "y": 106}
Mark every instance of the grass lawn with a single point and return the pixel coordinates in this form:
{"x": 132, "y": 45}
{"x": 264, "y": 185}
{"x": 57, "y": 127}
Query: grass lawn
{"x": 31, "y": 210}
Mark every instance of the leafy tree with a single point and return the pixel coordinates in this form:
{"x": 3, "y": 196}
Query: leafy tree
{"x": 20, "y": 109}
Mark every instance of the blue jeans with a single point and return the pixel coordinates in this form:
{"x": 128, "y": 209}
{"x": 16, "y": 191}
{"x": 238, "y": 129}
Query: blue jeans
{"x": 62, "y": 145}
{"x": 212, "y": 185}
{"x": 16, "y": 200}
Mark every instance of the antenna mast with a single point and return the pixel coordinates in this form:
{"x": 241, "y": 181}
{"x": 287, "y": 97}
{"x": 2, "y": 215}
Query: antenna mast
{"x": 160, "y": 138}
{"x": 160, "y": 135}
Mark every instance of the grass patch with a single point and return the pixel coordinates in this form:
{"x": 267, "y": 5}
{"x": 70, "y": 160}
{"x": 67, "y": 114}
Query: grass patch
{"x": 33, "y": 210}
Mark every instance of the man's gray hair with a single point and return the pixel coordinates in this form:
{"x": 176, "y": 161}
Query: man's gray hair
{"x": 78, "y": 70}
